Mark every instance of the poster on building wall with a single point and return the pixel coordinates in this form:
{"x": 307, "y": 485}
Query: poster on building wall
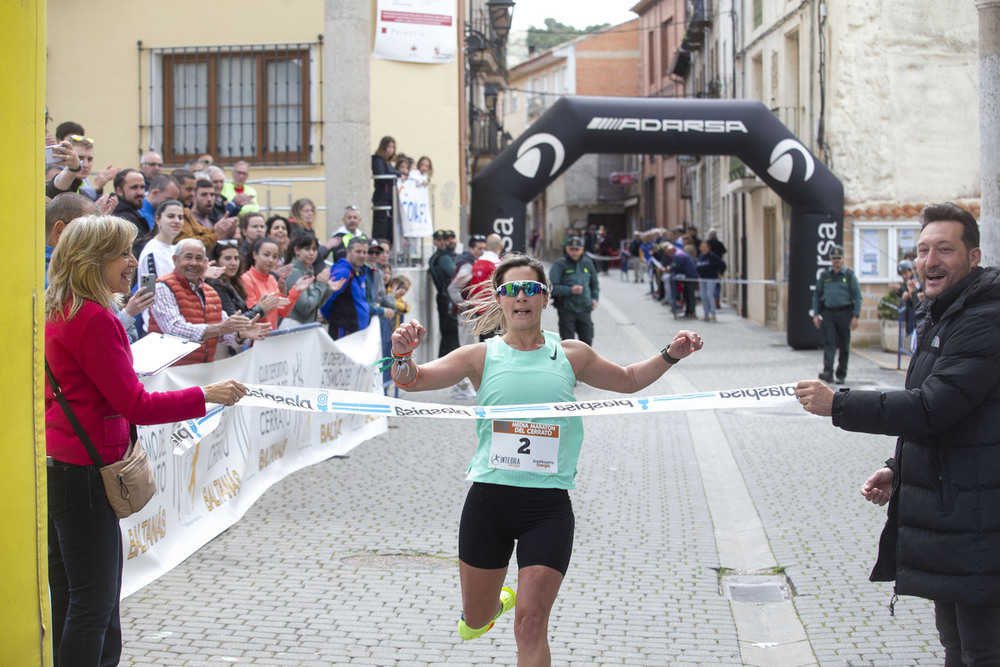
{"x": 871, "y": 255}
{"x": 415, "y": 31}
{"x": 209, "y": 487}
{"x": 415, "y": 208}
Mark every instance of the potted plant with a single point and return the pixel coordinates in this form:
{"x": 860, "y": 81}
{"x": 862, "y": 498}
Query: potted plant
{"x": 888, "y": 317}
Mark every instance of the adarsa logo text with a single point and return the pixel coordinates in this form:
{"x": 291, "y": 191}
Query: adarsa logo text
{"x": 760, "y": 392}
{"x": 667, "y": 125}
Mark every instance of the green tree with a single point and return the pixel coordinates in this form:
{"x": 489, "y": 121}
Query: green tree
{"x": 555, "y": 33}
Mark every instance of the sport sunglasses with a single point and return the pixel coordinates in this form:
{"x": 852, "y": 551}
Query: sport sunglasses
{"x": 530, "y": 287}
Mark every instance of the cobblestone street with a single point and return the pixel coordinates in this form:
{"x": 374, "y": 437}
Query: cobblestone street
{"x": 353, "y": 561}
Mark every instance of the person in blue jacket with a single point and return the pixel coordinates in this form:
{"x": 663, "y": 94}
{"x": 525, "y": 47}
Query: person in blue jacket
{"x": 346, "y": 310}
{"x": 683, "y": 267}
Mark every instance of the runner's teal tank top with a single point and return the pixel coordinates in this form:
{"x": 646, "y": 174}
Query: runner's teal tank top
{"x": 512, "y": 377}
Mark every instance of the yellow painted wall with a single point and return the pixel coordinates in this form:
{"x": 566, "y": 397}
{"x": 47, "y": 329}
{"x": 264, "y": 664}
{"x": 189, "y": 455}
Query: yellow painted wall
{"x": 24, "y": 586}
{"x": 94, "y": 65}
{"x": 418, "y": 106}
{"x": 94, "y": 68}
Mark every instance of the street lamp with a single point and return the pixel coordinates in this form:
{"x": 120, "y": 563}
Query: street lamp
{"x": 501, "y": 13}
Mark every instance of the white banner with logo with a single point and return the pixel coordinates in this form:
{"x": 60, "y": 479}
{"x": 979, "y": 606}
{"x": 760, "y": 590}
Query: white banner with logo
{"x": 211, "y": 485}
{"x": 415, "y": 209}
{"x": 365, "y": 404}
{"x": 415, "y": 31}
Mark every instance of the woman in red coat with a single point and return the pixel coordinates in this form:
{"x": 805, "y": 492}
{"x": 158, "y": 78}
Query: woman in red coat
{"x": 90, "y": 358}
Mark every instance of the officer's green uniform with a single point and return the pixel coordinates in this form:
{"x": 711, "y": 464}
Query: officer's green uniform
{"x": 837, "y": 300}
{"x": 574, "y": 309}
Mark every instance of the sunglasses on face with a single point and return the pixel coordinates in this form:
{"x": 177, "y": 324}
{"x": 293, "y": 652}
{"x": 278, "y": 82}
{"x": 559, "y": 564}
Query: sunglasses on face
{"x": 530, "y": 287}
{"x": 375, "y": 251}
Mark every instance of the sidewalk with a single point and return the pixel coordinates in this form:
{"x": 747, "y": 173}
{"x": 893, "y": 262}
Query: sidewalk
{"x": 353, "y": 561}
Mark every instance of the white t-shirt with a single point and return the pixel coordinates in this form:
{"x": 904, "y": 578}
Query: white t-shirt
{"x": 163, "y": 257}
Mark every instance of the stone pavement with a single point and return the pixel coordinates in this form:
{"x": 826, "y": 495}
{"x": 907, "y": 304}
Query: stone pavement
{"x": 353, "y": 561}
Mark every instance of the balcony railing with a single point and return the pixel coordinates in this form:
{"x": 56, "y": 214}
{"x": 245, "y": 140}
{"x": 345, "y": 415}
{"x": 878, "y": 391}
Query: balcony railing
{"x": 486, "y": 134}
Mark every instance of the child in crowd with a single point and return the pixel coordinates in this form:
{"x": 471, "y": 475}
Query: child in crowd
{"x": 399, "y": 286}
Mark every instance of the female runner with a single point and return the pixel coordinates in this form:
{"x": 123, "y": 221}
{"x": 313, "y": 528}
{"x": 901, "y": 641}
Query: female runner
{"x": 521, "y": 471}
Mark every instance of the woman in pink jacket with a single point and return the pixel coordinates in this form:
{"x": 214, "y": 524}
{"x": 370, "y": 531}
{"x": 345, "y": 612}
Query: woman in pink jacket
{"x": 89, "y": 356}
{"x": 259, "y": 282}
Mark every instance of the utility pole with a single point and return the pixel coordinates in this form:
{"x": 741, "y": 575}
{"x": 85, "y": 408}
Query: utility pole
{"x": 347, "y": 109}
{"x": 989, "y": 129}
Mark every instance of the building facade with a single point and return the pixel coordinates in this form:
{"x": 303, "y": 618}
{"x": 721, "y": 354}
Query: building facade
{"x": 884, "y": 93}
{"x": 597, "y": 189}
{"x": 666, "y": 186}
{"x": 245, "y": 80}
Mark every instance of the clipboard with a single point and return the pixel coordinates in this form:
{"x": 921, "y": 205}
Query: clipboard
{"x": 156, "y": 351}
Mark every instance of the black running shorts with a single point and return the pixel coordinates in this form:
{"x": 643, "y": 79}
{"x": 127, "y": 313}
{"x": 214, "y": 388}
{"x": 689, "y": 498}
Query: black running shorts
{"x": 494, "y": 516}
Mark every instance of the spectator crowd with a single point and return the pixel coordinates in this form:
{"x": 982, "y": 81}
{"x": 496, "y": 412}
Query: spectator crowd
{"x": 213, "y": 268}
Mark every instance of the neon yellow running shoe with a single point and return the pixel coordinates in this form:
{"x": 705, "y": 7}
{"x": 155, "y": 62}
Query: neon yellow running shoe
{"x": 507, "y": 597}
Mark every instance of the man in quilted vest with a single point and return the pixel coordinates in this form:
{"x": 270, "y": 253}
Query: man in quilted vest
{"x": 186, "y": 307}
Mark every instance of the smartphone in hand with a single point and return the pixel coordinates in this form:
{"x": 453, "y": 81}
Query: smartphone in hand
{"x": 148, "y": 280}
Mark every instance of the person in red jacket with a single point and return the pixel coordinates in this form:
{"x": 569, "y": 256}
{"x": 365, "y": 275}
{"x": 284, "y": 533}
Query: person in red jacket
{"x": 88, "y": 353}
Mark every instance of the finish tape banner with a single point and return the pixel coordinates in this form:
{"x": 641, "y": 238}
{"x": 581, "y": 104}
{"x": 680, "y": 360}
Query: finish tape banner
{"x": 213, "y": 483}
{"x": 368, "y": 405}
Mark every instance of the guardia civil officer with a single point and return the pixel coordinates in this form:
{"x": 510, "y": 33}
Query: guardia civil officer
{"x": 836, "y": 307}
{"x": 575, "y": 290}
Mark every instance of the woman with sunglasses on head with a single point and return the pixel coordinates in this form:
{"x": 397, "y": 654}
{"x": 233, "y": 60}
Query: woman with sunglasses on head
{"x": 513, "y": 498}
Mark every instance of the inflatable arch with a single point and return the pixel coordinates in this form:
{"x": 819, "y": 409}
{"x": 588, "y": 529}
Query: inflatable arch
{"x": 574, "y": 126}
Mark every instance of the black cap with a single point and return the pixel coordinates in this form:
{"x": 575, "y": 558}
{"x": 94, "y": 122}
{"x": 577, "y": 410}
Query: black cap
{"x": 575, "y": 242}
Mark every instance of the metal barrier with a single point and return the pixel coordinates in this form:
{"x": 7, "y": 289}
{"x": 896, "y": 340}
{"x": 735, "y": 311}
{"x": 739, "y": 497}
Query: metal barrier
{"x": 283, "y": 183}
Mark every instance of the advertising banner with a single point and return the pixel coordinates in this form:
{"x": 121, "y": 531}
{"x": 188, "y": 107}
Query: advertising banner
{"x": 208, "y": 487}
{"x": 415, "y": 31}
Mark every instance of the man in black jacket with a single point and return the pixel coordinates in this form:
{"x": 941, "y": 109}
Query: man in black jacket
{"x": 942, "y": 535}
{"x": 131, "y": 189}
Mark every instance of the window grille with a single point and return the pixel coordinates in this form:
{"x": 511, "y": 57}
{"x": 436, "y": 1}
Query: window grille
{"x": 259, "y": 103}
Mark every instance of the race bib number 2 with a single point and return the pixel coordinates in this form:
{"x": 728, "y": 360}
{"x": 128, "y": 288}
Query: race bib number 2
{"x": 527, "y": 446}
